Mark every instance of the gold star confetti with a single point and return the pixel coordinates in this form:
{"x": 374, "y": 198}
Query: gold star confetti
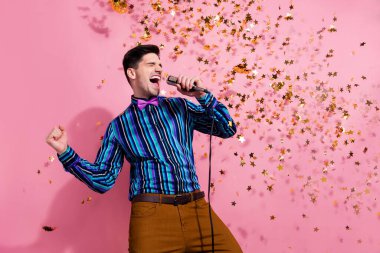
{"x": 276, "y": 100}
{"x": 332, "y": 28}
{"x": 288, "y": 16}
{"x": 241, "y": 138}
{"x": 48, "y": 228}
{"x": 120, "y": 6}
{"x": 88, "y": 200}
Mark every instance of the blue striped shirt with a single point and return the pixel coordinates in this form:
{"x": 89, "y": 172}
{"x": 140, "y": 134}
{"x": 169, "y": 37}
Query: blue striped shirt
{"x": 156, "y": 141}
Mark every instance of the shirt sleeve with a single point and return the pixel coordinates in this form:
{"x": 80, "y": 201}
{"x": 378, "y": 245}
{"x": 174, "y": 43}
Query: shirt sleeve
{"x": 101, "y": 175}
{"x": 201, "y": 116}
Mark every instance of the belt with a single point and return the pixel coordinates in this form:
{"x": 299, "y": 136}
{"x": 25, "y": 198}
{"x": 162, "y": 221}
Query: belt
{"x": 179, "y": 199}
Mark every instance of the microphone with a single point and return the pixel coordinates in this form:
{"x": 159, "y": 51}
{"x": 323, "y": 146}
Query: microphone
{"x": 172, "y": 80}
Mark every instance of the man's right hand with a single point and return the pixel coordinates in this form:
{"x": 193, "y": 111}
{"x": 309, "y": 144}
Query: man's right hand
{"x": 57, "y": 138}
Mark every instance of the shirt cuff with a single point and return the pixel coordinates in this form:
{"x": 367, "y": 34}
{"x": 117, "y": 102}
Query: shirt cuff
{"x": 207, "y": 100}
{"x": 68, "y": 158}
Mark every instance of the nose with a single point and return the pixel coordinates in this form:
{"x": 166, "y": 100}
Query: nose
{"x": 158, "y": 68}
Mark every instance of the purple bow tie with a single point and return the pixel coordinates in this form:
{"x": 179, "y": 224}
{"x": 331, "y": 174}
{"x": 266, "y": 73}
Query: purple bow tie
{"x": 142, "y": 103}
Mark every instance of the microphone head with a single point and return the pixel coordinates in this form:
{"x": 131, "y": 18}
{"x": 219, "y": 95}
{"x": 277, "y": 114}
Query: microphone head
{"x": 172, "y": 80}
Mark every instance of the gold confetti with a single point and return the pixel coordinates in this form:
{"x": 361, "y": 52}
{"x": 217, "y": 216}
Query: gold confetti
{"x": 288, "y": 16}
{"x": 156, "y": 6}
{"x": 305, "y": 106}
{"x": 120, "y": 6}
{"x": 241, "y": 138}
{"x": 332, "y": 28}
{"x": 48, "y": 228}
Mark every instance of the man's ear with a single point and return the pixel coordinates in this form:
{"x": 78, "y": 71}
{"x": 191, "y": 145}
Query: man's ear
{"x": 131, "y": 72}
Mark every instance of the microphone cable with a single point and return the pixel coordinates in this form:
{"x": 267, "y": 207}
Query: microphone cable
{"x": 209, "y": 183}
{"x": 173, "y": 80}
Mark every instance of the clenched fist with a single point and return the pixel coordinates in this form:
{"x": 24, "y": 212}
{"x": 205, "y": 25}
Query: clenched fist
{"x": 57, "y": 138}
{"x": 184, "y": 85}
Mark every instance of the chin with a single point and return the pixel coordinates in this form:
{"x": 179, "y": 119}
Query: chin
{"x": 156, "y": 92}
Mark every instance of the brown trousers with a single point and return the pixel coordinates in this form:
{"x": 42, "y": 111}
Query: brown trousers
{"x": 156, "y": 227}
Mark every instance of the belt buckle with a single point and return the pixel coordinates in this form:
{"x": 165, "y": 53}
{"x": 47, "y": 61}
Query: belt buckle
{"x": 175, "y": 199}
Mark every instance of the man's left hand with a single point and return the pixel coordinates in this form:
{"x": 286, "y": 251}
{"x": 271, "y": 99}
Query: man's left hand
{"x": 186, "y": 83}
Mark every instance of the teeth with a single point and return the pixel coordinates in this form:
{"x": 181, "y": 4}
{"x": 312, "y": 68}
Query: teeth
{"x": 155, "y": 79}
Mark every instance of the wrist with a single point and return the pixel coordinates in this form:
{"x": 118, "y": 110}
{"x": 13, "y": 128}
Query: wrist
{"x": 201, "y": 94}
{"x": 60, "y": 152}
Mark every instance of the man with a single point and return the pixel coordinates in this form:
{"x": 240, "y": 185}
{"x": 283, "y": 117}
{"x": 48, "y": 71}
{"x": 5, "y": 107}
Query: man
{"x": 154, "y": 134}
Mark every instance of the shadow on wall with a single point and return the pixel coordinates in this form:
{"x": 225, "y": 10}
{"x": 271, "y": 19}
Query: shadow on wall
{"x": 85, "y": 221}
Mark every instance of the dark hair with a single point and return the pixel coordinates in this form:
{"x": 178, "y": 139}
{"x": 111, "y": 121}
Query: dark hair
{"x": 133, "y": 56}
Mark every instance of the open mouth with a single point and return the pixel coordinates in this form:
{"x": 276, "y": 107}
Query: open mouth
{"x": 155, "y": 79}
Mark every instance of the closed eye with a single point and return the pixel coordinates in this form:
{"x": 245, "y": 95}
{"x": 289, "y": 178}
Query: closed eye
{"x": 153, "y": 64}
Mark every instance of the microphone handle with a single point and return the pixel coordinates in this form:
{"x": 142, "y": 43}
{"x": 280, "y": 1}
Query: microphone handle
{"x": 172, "y": 80}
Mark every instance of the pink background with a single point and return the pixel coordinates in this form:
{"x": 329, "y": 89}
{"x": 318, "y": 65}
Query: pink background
{"x": 61, "y": 64}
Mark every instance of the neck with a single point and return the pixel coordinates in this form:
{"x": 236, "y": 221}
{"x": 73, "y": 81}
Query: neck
{"x": 143, "y": 97}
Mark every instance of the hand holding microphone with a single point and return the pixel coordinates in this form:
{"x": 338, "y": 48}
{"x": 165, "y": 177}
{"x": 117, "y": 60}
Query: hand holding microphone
{"x": 188, "y": 86}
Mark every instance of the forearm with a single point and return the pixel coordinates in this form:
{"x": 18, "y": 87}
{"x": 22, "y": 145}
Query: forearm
{"x": 100, "y": 176}
{"x": 210, "y": 109}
